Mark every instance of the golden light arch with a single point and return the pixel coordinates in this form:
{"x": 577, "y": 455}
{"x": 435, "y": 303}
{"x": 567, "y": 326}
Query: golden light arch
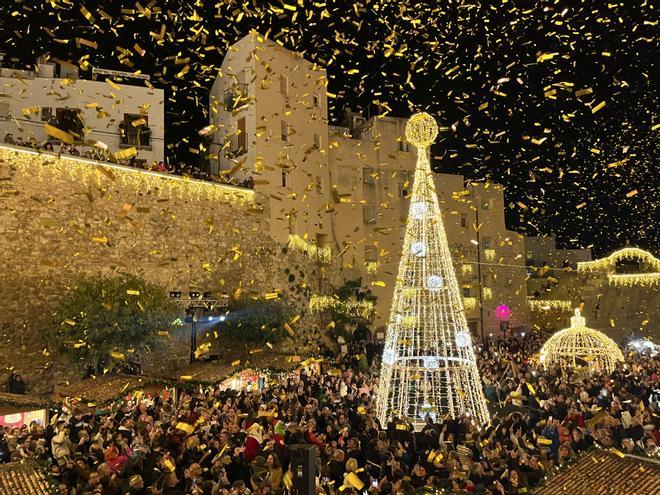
{"x": 608, "y": 265}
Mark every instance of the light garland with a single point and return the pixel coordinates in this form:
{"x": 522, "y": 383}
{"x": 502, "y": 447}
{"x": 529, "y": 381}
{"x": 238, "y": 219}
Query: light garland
{"x": 363, "y": 309}
{"x": 632, "y": 279}
{"x": 609, "y": 263}
{"x": 469, "y": 303}
{"x": 489, "y": 254}
{"x": 429, "y": 366}
{"x": 321, "y": 254}
{"x": 548, "y": 304}
{"x": 467, "y": 269}
{"x": 577, "y": 345}
{"x": 371, "y": 267}
{"x": 47, "y": 167}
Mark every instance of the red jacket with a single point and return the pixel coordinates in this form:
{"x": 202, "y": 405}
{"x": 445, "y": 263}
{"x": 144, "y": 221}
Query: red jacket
{"x": 252, "y": 448}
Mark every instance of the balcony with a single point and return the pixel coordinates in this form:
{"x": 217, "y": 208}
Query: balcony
{"x": 236, "y": 97}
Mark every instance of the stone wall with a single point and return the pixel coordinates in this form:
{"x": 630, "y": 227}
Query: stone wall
{"x": 61, "y": 218}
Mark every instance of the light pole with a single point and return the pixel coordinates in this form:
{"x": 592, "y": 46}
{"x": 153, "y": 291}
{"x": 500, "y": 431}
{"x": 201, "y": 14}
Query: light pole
{"x": 194, "y": 302}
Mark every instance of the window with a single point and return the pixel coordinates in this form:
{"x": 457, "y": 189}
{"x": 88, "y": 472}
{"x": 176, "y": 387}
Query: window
{"x": 403, "y": 145}
{"x": 463, "y": 219}
{"x": 317, "y": 141}
{"x": 529, "y": 254}
{"x": 285, "y": 178}
{"x": 487, "y": 242}
{"x": 241, "y": 137}
{"x": 467, "y": 291}
{"x": 368, "y": 175}
{"x": 70, "y": 120}
{"x": 321, "y": 240}
{"x": 4, "y": 111}
{"x": 403, "y": 189}
{"x": 369, "y": 214}
{"x": 316, "y": 100}
{"x": 485, "y": 205}
{"x": 284, "y": 85}
{"x": 284, "y": 130}
{"x": 46, "y": 114}
{"x": 319, "y": 185}
{"x": 370, "y": 253}
{"x": 134, "y": 130}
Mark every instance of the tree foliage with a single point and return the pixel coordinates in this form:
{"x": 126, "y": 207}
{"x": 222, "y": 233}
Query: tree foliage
{"x": 356, "y": 304}
{"x": 257, "y": 321}
{"x": 105, "y": 314}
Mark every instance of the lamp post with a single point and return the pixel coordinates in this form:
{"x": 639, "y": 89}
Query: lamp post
{"x": 197, "y": 301}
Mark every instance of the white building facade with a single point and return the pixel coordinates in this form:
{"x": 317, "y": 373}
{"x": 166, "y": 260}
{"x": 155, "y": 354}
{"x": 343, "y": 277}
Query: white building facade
{"x": 99, "y": 114}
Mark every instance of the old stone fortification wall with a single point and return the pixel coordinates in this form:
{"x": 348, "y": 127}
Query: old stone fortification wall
{"x": 61, "y": 218}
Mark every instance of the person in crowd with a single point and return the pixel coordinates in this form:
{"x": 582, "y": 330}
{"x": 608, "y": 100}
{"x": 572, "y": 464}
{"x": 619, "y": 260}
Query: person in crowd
{"x": 16, "y": 384}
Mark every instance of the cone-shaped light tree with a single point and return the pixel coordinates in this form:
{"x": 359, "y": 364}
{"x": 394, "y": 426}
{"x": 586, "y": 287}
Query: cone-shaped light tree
{"x": 429, "y": 364}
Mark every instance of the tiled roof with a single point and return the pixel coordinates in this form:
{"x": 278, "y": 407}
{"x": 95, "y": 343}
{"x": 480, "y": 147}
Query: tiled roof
{"x": 24, "y": 478}
{"x": 601, "y": 472}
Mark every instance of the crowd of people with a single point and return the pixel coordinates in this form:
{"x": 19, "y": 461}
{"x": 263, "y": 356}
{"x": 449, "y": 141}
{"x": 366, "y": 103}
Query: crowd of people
{"x": 211, "y": 442}
{"x": 102, "y": 154}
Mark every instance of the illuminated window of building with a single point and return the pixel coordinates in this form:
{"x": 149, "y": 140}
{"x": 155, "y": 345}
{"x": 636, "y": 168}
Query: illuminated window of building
{"x": 463, "y": 219}
{"x": 316, "y": 100}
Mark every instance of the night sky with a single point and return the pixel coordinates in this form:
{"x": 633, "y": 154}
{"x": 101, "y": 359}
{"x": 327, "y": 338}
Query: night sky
{"x": 554, "y": 99}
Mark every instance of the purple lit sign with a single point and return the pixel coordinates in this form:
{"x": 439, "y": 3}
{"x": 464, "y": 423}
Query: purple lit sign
{"x": 502, "y": 312}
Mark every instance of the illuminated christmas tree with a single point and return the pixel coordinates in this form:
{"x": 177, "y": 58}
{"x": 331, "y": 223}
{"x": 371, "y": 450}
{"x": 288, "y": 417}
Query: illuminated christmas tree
{"x": 429, "y": 365}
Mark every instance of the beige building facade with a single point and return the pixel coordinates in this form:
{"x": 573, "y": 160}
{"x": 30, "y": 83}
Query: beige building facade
{"x": 341, "y": 192}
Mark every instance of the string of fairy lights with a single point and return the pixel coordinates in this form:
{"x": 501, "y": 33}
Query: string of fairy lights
{"x": 428, "y": 365}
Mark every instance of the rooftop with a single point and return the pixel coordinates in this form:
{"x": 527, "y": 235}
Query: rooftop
{"x": 602, "y": 472}
{"x": 24, "y": 478}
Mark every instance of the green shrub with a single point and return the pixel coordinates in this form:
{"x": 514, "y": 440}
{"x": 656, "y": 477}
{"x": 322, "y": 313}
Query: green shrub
{"x": 257, "y": 321}
{"x": 104, "y": 314}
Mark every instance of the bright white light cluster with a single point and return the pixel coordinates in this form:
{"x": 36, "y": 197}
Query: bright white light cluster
{"x": 417, "y": 210}
{"x": 435, "y": 282}
{"x": 429, "y": 365}
{"x": 418, "y": 249}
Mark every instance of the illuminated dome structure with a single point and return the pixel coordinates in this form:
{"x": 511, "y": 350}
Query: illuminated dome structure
{"x": 579, "y": 346}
